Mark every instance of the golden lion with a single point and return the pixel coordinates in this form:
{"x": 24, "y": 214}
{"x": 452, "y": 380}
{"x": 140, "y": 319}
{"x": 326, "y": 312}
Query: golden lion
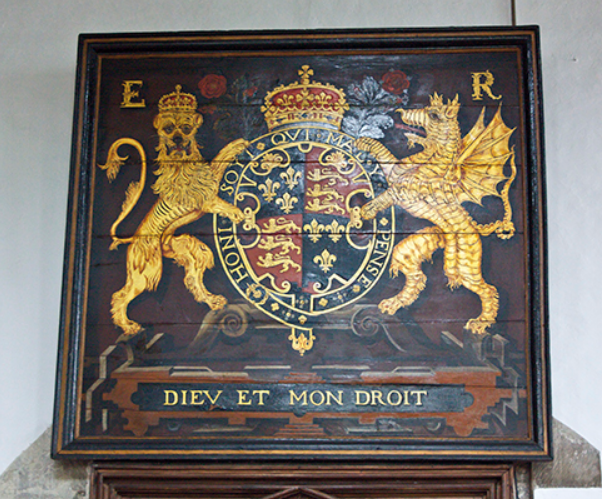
{"x": 187, "y": 187}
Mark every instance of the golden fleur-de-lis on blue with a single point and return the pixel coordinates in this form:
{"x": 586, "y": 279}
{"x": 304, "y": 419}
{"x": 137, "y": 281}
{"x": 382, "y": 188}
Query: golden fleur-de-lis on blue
{"x": 336, "y": 230}
{"x": 287, "y": 202}
{"x": 325, "y": 260}
{"x": 269, "y": 189}
{"x": 314, "y": 229}
{"x": 290, "y": 177}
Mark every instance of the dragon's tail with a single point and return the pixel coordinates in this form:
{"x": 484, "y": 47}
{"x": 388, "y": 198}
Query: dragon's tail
{"x": 134, "y": 190}
{"x": 504, "y": 228}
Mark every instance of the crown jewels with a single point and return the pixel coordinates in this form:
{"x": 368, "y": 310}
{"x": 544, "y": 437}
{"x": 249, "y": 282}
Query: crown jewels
{"x": 305, "y": 101}
{"x": 177, "y": 101}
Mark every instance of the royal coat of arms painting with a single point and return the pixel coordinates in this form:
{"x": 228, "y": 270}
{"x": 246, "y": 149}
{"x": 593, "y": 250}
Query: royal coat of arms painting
{"x": 306, "y": 244}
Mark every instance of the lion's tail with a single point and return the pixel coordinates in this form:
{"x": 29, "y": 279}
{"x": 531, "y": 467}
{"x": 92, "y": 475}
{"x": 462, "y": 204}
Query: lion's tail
{"x": 134, "y": 190}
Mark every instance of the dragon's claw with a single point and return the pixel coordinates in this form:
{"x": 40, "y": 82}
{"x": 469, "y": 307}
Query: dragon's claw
{"x": 506, "y": 230}
{"x": 390, "y": 306}
{"x": 368, "y": 212}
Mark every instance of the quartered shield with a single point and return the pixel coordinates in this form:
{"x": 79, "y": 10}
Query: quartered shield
{"x": 303, "y": 249}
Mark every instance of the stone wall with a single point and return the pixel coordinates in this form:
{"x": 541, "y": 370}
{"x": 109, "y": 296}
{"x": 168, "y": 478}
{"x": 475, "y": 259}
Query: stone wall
{"x": 33, "y": 475}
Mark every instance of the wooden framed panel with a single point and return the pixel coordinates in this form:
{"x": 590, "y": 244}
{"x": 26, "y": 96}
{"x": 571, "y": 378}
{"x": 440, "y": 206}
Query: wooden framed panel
{"x": 292, "y": 244}
{"x": 302, "y": 482}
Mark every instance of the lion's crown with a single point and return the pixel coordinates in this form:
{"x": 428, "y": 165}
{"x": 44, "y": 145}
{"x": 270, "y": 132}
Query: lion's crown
{"x": 177, "y": 101}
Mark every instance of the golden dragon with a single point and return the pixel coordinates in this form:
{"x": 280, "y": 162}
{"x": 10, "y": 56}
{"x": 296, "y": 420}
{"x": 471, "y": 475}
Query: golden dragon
{"x": 432, "y": 185}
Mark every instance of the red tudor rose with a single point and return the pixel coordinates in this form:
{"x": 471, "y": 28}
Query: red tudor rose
{"x": 212, "y": 86}
{"x": 395, "y": 82}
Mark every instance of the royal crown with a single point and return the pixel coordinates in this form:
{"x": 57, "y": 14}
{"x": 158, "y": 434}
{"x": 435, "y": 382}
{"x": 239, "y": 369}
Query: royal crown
{"x": 305, "y": 101}
{"x": 177, "y": 101}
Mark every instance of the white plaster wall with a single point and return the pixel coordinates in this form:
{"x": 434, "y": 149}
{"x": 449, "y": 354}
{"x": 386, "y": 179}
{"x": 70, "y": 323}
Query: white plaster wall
{"x": 38, "y": 41}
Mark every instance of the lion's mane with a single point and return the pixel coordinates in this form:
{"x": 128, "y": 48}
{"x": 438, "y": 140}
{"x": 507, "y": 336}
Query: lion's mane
{"x": 188, "y": 182}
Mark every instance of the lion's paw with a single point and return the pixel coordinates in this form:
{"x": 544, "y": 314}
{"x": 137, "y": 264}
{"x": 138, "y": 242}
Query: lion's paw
{"x": 389, "y": 306}
{"x": 239, "y": 146}
{"x": 129, "y": 331}
{"x": 216, "y": 302}
{"x": 236, "y": 215}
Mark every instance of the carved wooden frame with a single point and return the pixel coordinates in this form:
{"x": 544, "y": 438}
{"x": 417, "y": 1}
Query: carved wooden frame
{"x": 305, "y": 481}
{"x": 475, "y": 431}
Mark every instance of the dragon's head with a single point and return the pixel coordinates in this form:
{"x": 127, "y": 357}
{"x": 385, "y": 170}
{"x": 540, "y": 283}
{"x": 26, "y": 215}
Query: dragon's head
{"x": 438, "y": 122}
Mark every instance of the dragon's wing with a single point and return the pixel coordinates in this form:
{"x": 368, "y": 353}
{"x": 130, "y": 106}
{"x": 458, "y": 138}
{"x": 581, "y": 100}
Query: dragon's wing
{"x": 483, "y": 154}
